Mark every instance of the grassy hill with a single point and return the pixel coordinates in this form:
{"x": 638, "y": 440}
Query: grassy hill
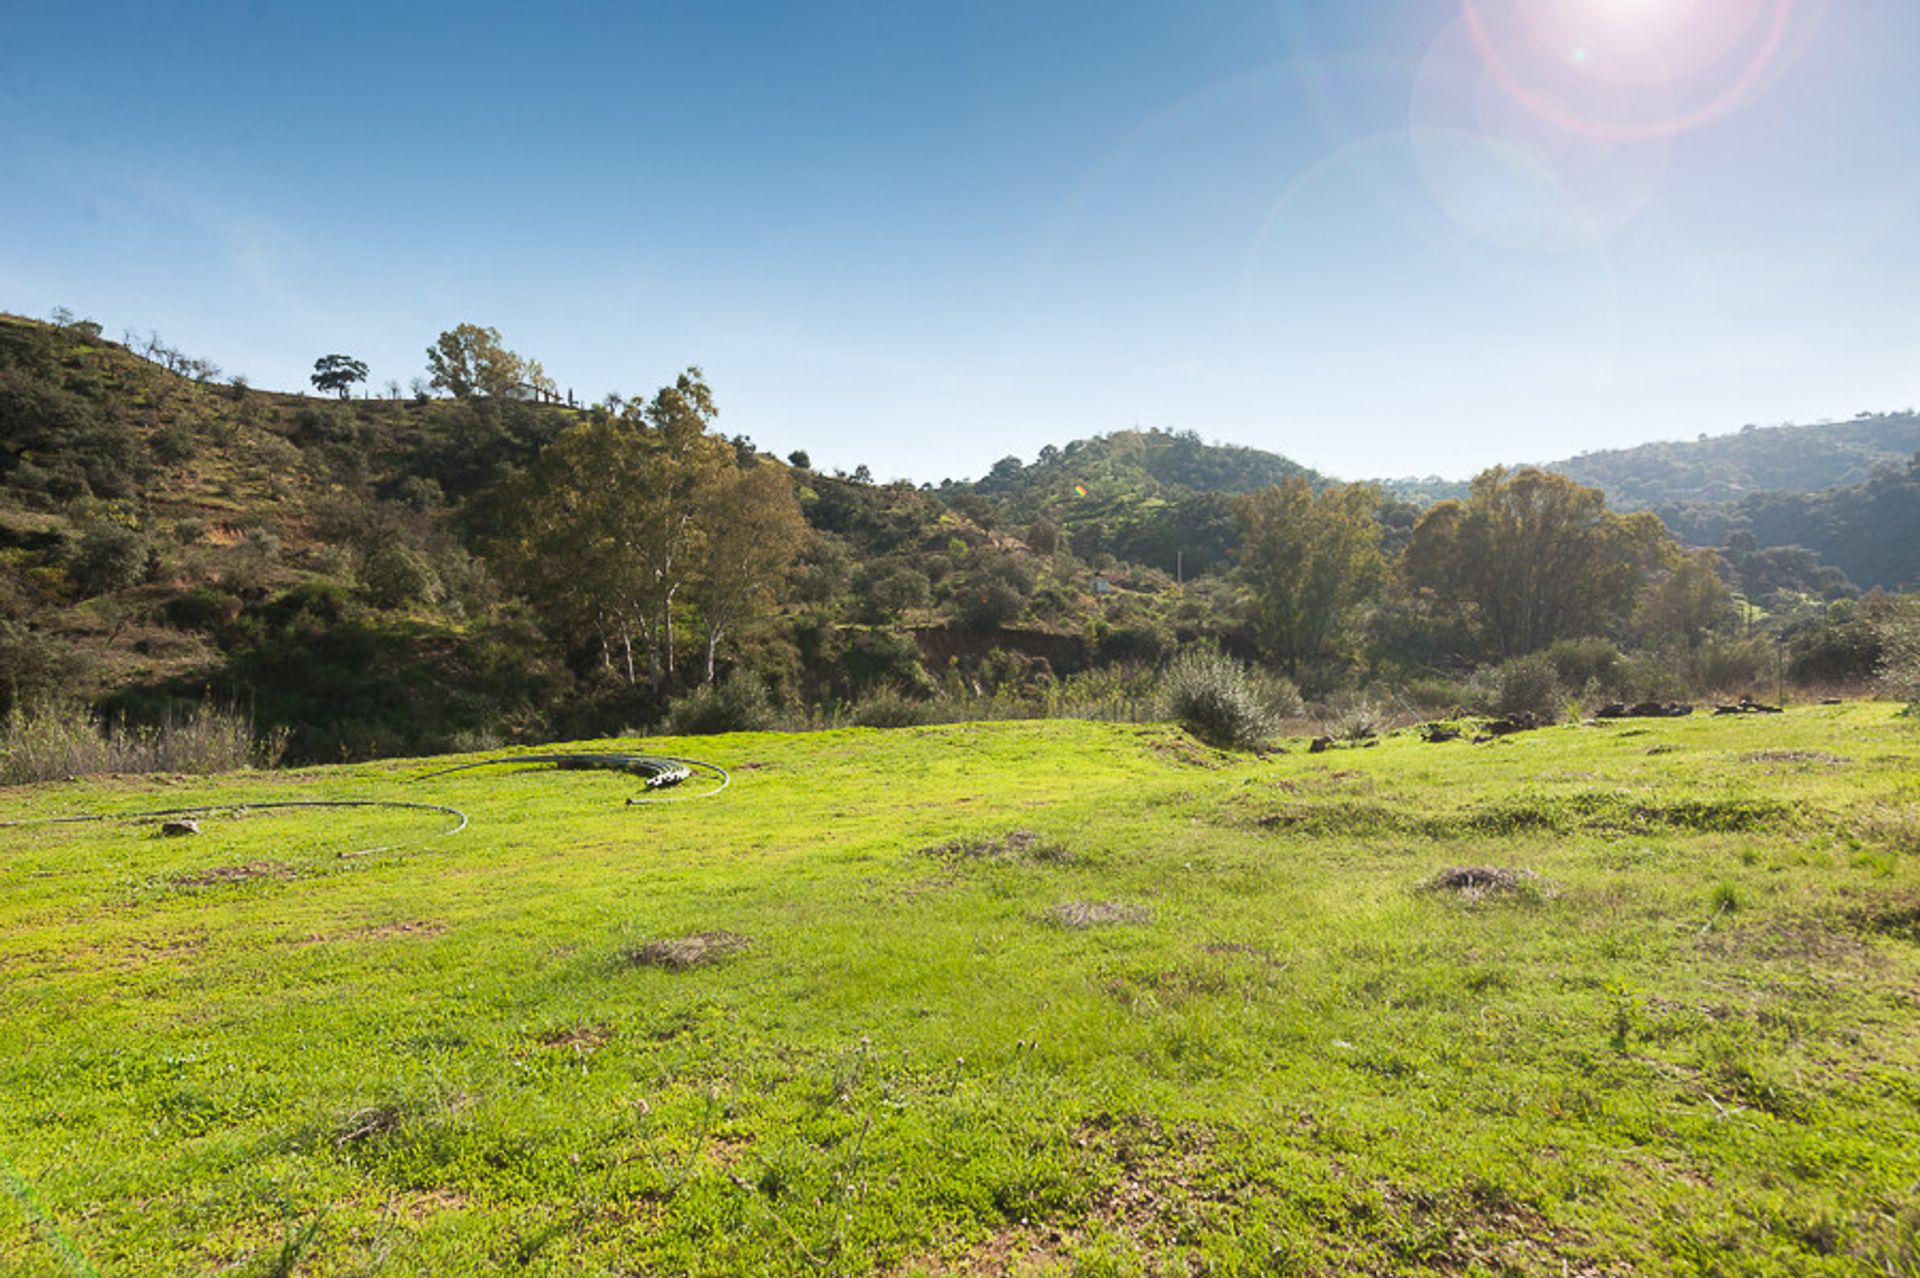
{"x": 1015, "y": 998}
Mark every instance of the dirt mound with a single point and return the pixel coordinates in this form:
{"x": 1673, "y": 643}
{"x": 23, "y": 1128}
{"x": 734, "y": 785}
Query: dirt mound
{"x": 682, "y": 952}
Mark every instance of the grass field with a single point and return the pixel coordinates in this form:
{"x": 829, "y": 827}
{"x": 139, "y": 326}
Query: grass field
{"x": 1013, "y": 998}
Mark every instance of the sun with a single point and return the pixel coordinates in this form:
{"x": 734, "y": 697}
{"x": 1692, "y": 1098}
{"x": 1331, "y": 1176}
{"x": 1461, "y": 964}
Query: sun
{"x": 1628, "y": 68}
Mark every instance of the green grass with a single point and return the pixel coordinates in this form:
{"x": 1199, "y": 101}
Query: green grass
{"x": 1689, "y": 1042}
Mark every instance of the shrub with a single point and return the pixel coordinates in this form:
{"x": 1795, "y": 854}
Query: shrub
{"x": 52, "y": 742}
{"x": 1528, "y": 685}
{"x": 1729, "y": 665}
{"x": 1594, "y": 664}
{"x": 1282, "y": 698}
{"x": 34, "y": 664}
{"x": 174, "y": 444}
{"x": 1900, "y": 652}
{"x": 109, "y": 557}
{"x": 887, "y": 707}
{"x": 1210, "y": 695}
{"x": 737, "y": 703}
{"x": 398, "y": 577}
{"x": 1439, "y": 695}
{"x": 203, "y": 608}
{"x": 1354, "y": 716}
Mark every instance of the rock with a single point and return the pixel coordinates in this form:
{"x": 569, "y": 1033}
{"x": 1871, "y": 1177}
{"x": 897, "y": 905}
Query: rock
{"x": 1644, "y": 710}
{"x": 1748, "y": 706}
{"x": 179, "y": 826}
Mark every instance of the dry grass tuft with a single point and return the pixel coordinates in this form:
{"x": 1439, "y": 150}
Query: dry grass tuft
{"x": 682, "y": 952}
{"x": 1086, "y": 914}
{"x": 1017, "y": 845}
{"x": 1487, "y": 882}
{"x": 1808, "y": 758}
{"x": 234, "y": 874}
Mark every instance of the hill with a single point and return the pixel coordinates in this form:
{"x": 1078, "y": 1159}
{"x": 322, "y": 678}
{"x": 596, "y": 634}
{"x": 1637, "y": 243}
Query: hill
{"x": 326, "y": 563}
{"x": 1727, "y": 468}
{"x": 1869, "y": 531}
{"x": 1017, "y": 997}
{"x": 1154, "y": 497}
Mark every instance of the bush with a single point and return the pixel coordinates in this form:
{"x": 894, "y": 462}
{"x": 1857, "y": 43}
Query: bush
{"x": 1354, "y": 716}
{"x": 1729, "y": 665}
{"x": 1528, "y": 685}
{"x": 1210, "y": 695}
{"x": 110, "y": 557}
{"x": 35, "y": 664}
{"x": 1594, "y": 665}
{"x": 1900, "y": 652}
{"x": 1281, "y": 697}
{"x": 737, "y": 703}
{"x": 888, "y": 707}
{"x": 399, "y": 577}
{"x": 1844, "y": 652}
{"x": 204, "y": 608}
{"x": 53, "y": 742}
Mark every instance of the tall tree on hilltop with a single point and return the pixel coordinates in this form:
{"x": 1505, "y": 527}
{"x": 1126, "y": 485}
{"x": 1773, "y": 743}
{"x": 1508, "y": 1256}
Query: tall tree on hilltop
{"x": 1530, "y": 557}
{"x": 337, "y": 373}
{"x": 468, "y": 360}
{"x": 1310, "y": 560}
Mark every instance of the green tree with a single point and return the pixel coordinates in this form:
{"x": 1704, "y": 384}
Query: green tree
{"x": 337, "y": 373}
{"x": 597, "y": 531}
{"x": 1310, "y": 560}
{"x": 750, "y": 533}
{"x": 468, "y": 360}
{"x": 1688, "y": 600}
{"x": 1530, "y": 557}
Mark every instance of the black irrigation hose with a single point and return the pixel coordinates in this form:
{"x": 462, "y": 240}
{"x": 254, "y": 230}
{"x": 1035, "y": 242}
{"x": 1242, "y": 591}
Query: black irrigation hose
{"x": 658, "y": 770}
{"x": 243, "y": 806}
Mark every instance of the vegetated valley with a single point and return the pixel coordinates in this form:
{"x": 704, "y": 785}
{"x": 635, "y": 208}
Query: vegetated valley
{"x": 1156, "y": 857}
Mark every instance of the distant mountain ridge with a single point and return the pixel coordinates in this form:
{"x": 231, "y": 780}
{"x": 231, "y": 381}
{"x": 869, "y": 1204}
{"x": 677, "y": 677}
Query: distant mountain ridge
{"x": 1755, "y": 459}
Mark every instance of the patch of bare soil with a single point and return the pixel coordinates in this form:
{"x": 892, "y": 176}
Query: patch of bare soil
{"x": 1014, "y": 1252}
{"x": 682, "y": 952}
{"x": 1489, "y": 882}
{"x": 234, "y": 874}
{"x": 1086, "y": 914}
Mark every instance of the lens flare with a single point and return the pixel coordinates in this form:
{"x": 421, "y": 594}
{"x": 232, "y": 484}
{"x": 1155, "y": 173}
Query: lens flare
{"x": 1628, "y": 69}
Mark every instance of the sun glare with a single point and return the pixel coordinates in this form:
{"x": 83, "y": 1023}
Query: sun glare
{"x": 1627, "y": 68}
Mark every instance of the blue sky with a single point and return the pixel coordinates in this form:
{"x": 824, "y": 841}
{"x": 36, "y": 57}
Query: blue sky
{"x": 1380, "y": 237}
